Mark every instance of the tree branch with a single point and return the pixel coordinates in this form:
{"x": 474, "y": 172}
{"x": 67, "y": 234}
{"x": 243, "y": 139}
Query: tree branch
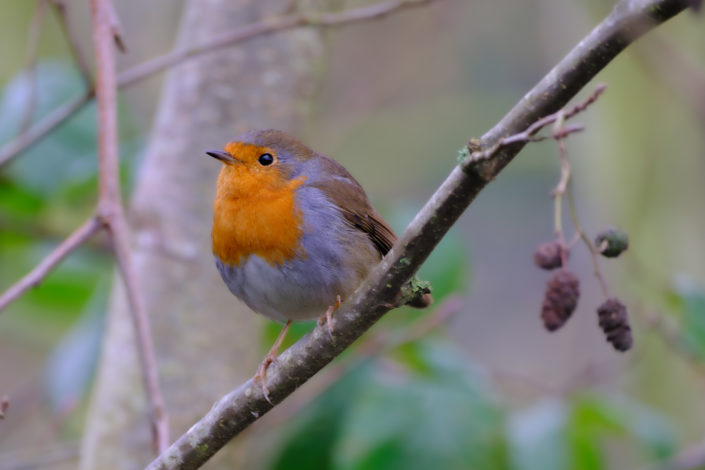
{"x": 238, "y": 409}
{"x": 79, "y": 57}
{"x": 111, "y": 212}
{"x": 35, "y": 30}
{"x": 76, "y": 239}
{"x": 159, "y": 64}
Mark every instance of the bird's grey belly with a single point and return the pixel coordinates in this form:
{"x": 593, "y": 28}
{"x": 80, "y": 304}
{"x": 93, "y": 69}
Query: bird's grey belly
{"x": 293, "y": 291}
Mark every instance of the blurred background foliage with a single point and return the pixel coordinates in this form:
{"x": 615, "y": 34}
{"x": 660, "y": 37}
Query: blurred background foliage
{"x": 488, "y": 389}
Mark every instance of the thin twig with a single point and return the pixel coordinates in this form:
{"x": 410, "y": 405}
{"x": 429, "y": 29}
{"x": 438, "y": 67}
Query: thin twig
{"x": 562, "y": 185}
{"x": 140, "y": 319}
{"x": 593, "y": 252}
{"x": 116, "y": 27}
{"x": 43, "y": 127}
{"x": 564, "y": 190}
{"x": 112, "y": 214}
{"x": 528, "y": 135}
{"x": 76, "y": 239}
{"x": 158, "y": 64}
{"x": 559, "y": 133}
{"x": 30, "y": 67}
{"x": 241, "y": 407}
{"x": 60, "y": 9}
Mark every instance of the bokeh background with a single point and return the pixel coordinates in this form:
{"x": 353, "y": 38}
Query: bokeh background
{"x": 489, "y": 387}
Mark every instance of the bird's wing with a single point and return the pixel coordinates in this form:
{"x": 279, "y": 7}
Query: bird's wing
{"x": 347, "y": 194}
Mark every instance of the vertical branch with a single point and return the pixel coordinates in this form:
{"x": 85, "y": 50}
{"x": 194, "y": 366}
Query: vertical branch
{"x": 73, "y": 41}
{"x": 143, "y": 333}
{"x": 31, "y": 65}
{"x": 110, "y": 211}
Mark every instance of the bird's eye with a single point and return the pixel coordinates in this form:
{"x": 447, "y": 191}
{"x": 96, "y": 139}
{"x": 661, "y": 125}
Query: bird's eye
{"x": 265, "y": 159}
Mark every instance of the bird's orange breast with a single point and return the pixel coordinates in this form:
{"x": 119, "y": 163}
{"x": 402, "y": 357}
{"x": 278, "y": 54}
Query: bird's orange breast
{"x": 255, "y": 213}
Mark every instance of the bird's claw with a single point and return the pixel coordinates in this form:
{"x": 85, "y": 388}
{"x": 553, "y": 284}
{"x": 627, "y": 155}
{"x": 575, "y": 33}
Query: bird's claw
{"x": 261, "y": 376}
{"x": 328, "y": 316}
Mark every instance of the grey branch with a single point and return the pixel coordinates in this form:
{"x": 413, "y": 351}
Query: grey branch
{"x": 33, "y": 278}
{"x": 235, "y": 411}
{"x": 111, "y": 212}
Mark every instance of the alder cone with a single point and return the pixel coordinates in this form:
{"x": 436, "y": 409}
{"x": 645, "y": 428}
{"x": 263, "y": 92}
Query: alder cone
{"x": 548, "y": 255}
{"x": 614, "y": 321}
{"x": 560, "y": 300}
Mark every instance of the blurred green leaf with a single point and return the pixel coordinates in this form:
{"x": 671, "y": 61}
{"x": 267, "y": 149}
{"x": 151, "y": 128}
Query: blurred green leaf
{"x": 589, "y": 423}
{"x": 537, "y": 437}
{"x": 412, "y": 356}
{"x": 397, "y": 419}
{"x": 448, "y": 267}
{"x": 555, "y": 434}
{"x": 272, "y": 329}
{"x": 70, "y": 286}
{"x": 447, "y": 419}
{"x": 652, "y": 430}
{"x": 310, "y": 439}
{"x": 49, "y": 189}
{"x": 17, "y": 201}
{"x": 595, "y": 420}
{"x": 71, "y": 366}
{"x": 687, "y": 299}
{"x": 67, "y": 153}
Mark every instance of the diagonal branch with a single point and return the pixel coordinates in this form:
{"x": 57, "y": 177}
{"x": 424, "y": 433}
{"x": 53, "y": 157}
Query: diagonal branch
{"x": 238, "y": 409}
{"x": 50, "y": 122}
{"x": 67, "y": 26}
{"x": 76, "y": 239}
{"x": 158, "y": 64}
{"x": 35, "y": 30}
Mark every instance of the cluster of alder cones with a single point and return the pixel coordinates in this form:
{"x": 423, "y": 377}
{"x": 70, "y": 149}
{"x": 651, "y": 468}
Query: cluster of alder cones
{"x": 563, "y": 289}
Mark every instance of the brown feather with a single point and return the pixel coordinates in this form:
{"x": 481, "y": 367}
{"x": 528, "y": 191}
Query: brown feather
{"x": 347, "y": 194}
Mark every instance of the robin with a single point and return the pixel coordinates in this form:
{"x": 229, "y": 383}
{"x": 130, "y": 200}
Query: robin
{"x": 293, "y": 232}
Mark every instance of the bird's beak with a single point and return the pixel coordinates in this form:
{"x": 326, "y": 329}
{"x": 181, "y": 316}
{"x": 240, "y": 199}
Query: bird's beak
{"x": 222, "y": 156}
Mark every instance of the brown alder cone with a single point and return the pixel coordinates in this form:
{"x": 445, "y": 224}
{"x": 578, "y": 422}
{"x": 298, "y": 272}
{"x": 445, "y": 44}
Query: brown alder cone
{"x": 548, "y": 255}
{"x": 614, "y": 321}
{"x": 560, "y": 300}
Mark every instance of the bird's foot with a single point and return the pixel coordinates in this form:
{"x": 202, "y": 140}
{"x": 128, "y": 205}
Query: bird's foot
{"x": 328, "y": 316}
{"x": 261, "y": 374}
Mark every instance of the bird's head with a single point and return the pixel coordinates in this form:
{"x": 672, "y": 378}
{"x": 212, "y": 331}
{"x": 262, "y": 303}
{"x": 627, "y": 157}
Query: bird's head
{"x": 262, "y": 160}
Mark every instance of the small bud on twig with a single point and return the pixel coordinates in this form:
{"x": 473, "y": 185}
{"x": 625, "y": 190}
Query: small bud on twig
{"x": 4, "y": 405}
{"x": 611, "y": 242}
{"x": 561, "y": 298}
{"x": 615, "y": 323}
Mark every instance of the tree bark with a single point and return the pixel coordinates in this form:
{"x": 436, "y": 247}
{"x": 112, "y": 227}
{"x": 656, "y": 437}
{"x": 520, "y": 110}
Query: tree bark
{"x": 206, "y": 341}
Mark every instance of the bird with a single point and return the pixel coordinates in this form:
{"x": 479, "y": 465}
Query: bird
{"x": 294, "y": 233}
